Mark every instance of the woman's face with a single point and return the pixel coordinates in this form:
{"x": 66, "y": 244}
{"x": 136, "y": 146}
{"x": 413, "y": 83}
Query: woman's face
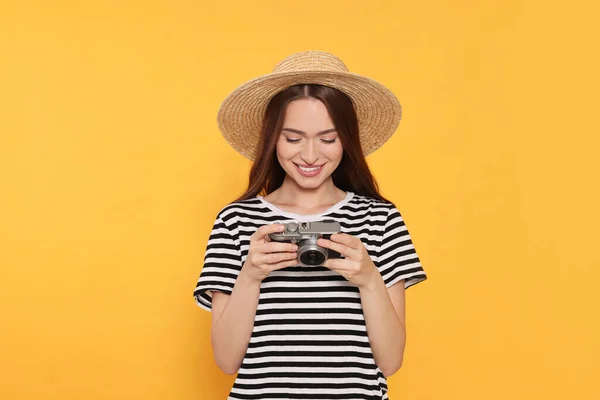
{"x": 308, "y": 148}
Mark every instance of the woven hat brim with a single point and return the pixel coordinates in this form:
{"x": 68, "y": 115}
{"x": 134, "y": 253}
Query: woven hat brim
{"x": 241, "y": 113}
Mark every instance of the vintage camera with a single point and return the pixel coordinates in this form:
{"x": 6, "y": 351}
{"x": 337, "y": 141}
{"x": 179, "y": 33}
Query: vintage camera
{"x": 305, "y": 235}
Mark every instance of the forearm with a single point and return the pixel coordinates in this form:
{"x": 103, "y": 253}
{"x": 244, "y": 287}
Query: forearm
{"x": 387, "y": 334}
{"x": 232, "y": 331}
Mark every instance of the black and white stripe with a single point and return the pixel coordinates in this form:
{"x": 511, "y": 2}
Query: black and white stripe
{"x": 309, "y": 339}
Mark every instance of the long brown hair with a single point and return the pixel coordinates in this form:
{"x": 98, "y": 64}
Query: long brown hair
{"x": 351, "y": 175}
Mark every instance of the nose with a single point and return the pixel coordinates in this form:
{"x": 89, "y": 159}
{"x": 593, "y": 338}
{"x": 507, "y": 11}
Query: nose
{"x": 310, "y": 152}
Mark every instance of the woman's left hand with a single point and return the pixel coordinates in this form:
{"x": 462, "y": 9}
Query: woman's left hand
{"x": 357, "y": 266}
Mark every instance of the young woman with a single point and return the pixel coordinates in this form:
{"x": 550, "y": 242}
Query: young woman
{"x": 291, "y": 330}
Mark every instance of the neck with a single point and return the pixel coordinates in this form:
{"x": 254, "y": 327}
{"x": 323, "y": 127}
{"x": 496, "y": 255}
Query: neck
{"x": 291, "y": 193}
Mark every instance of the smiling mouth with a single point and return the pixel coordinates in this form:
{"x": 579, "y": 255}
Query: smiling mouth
{"x": 309, "y": 171}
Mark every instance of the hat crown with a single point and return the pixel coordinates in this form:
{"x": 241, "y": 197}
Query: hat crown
{"x": 310, "y": 61}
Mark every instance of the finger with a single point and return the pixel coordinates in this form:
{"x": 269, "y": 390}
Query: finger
{"x": 274, "y": 258}
{"x": 265, "y": 230}
{"x": 340, "y": 248}
{"x": 272, "y": 247}
{"x": 283, "y": 264}
{"x": 349, "y": 240}
{"x": 338, "y": 264}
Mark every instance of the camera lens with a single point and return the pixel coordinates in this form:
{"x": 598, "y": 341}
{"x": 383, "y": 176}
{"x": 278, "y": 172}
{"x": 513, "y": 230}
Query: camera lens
{"x": 309, "y": 253}
{"x": 312, "y": 257}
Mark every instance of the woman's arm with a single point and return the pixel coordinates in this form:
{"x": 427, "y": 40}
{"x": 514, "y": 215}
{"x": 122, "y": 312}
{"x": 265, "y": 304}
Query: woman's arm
{"x": 233, "y": 315}
{"x": 383, "y": 308}
{"x": 232, "y": 322}
{"x": 384, "y": 316}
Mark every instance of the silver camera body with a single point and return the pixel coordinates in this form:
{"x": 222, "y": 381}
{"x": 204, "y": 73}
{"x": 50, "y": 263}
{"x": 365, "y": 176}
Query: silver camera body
{"x": 305, "y": 235}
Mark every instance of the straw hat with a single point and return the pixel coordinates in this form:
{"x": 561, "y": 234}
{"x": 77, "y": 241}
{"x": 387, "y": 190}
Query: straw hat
{"x": 241, "y": 113}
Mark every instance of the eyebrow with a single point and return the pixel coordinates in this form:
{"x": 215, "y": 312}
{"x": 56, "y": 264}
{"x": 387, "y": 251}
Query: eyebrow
{"x": 304, "y": 133}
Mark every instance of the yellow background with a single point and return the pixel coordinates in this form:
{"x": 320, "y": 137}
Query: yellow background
{"x": 113, "y": 169}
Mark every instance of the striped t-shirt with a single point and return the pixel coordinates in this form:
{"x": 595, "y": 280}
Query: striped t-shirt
{"x": 309, "y": 339}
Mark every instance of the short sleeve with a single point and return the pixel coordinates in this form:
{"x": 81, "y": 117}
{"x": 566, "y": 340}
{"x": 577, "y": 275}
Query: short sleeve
{"x": 397, "y": 257}
{"x": 222, "y": 263}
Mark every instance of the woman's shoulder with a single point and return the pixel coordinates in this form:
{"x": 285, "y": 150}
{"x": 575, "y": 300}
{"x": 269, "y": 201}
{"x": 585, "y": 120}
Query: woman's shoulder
{"x": 368, "y": 202}
{"x": 240, "y": 207}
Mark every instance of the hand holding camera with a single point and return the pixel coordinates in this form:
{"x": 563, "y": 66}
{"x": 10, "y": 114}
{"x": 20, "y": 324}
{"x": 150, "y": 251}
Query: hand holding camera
{"x": 316, "y": 243}
{"x": 305, "y": 235}
{"x": 265, "y": 256}
{"x": 356, "y": 265}
{"x": 321, "y": 243}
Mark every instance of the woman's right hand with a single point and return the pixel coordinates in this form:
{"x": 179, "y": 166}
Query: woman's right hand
{"x": 265, "y": 256}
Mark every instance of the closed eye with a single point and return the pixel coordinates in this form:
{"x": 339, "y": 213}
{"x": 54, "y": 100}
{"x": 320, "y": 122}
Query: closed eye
{"x": 326, "y": 141}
